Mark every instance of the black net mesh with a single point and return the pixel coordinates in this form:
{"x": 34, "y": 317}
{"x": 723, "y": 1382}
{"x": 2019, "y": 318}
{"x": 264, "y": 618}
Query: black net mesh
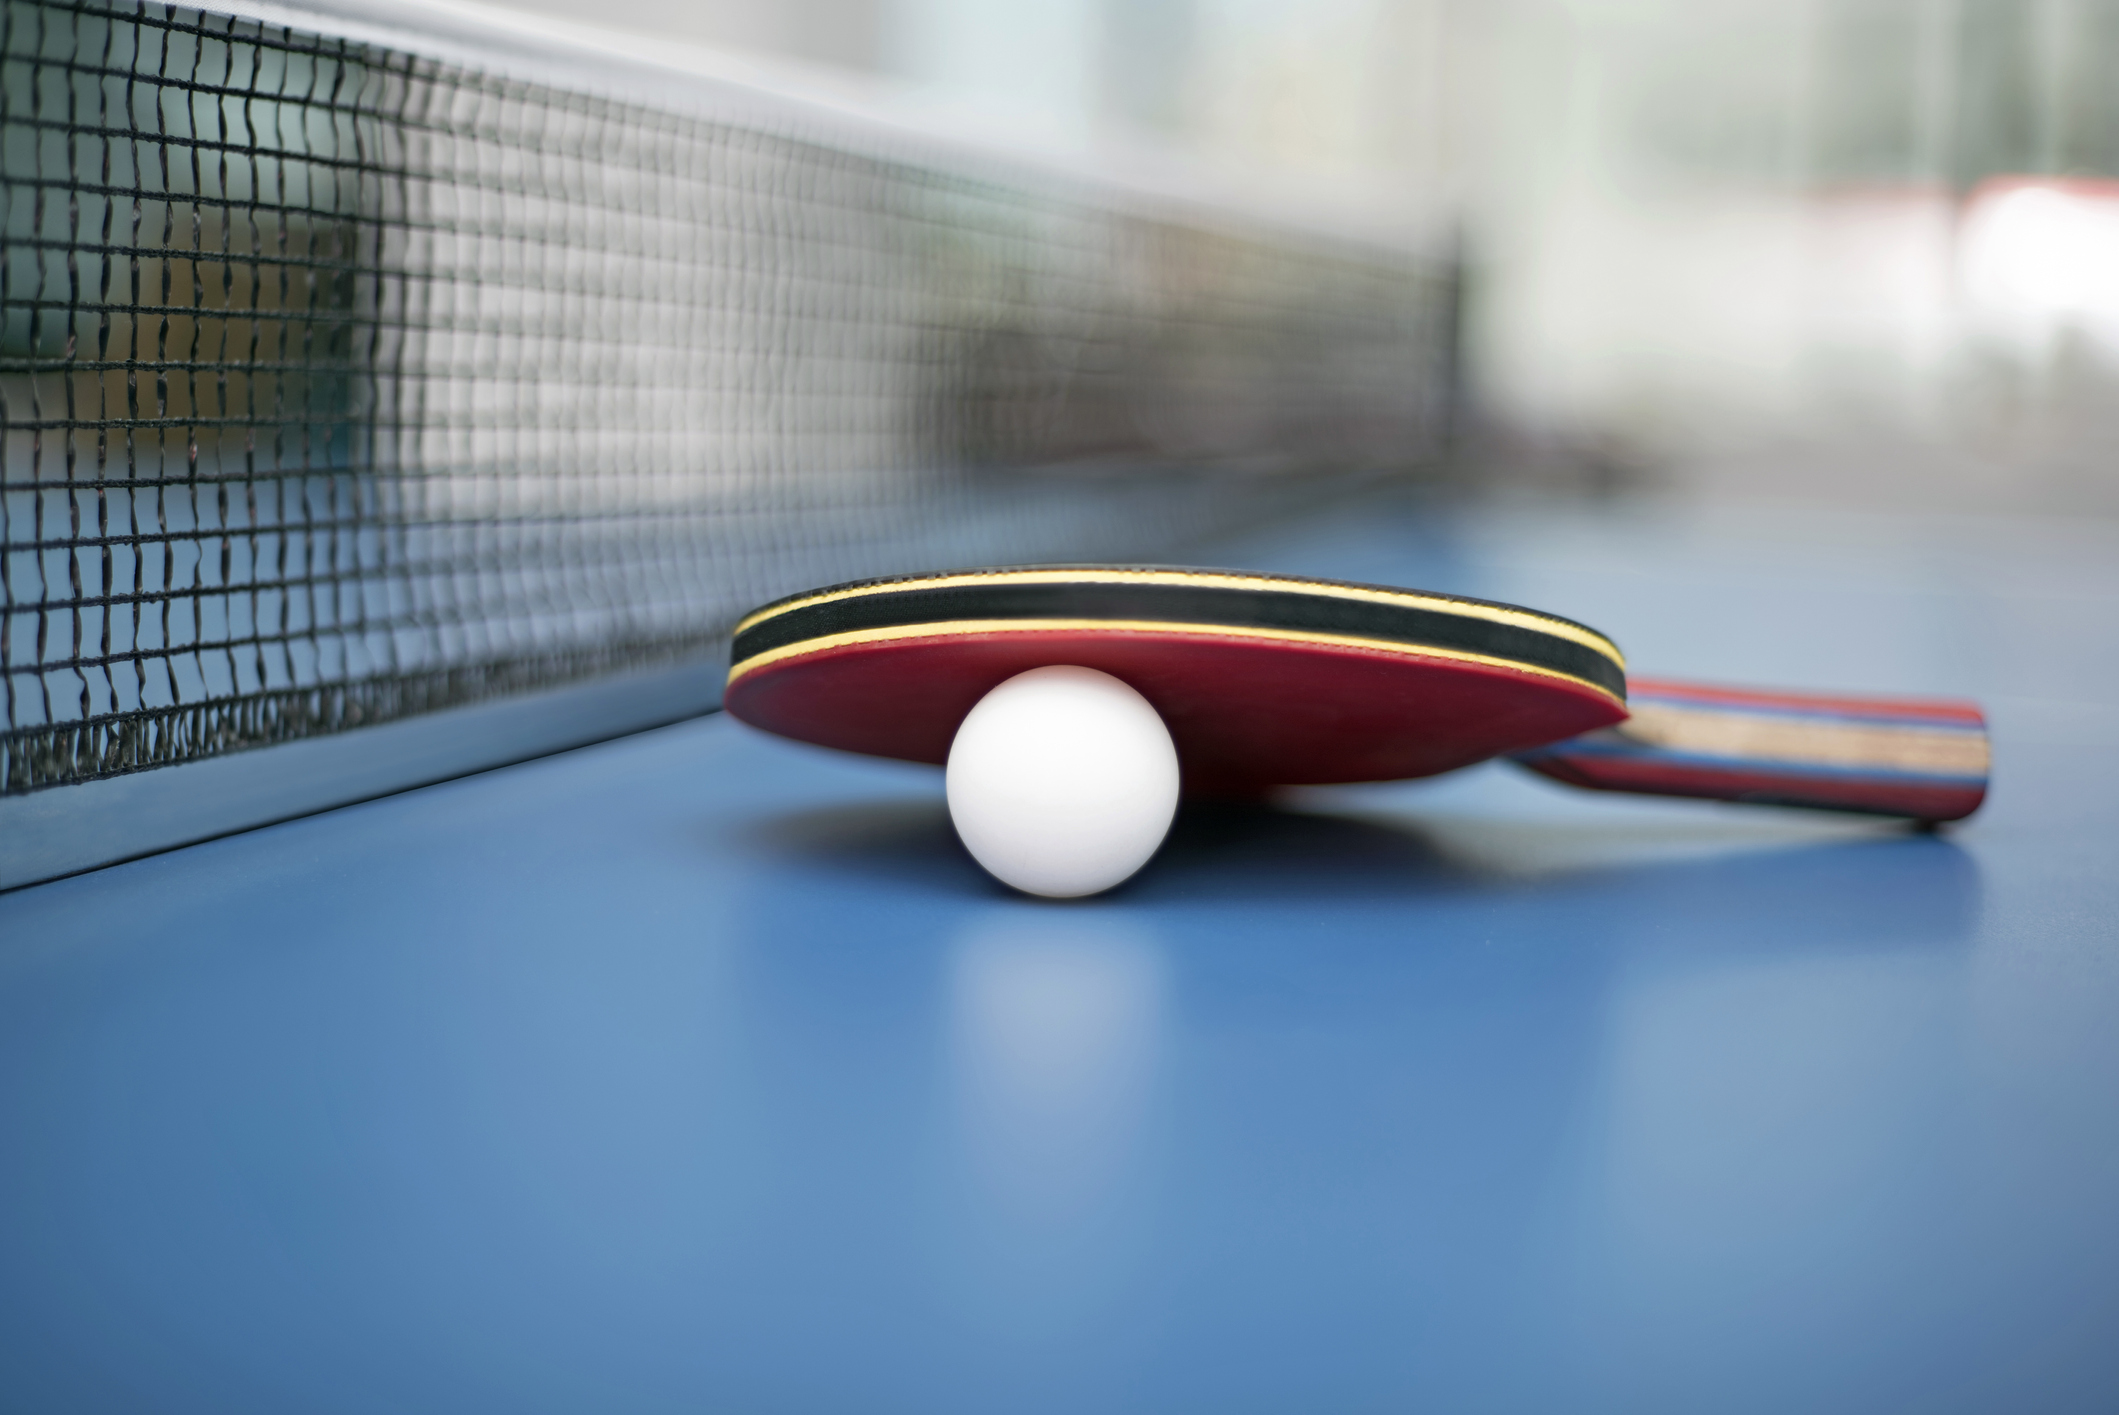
{"x": 339, "y": 383}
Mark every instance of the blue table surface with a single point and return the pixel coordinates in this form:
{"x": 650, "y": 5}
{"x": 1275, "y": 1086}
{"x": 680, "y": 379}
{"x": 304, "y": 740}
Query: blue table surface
{"x": 701, "y": 1071}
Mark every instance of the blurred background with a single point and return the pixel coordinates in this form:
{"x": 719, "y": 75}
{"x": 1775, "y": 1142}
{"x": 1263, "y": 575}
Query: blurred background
{"x": 1856, "y": 252}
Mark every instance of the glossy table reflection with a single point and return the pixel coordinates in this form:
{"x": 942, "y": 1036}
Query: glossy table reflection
{"x": 701, "y": 1071}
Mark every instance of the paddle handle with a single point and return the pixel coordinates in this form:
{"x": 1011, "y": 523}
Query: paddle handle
{"x": 1919, "y": 758}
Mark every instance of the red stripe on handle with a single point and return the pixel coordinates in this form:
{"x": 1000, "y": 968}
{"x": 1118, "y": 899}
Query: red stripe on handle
{"x": 1943, "y": 710}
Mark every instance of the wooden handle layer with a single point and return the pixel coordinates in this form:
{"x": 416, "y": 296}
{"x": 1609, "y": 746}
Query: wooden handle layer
{"x": 1919, "y": 758}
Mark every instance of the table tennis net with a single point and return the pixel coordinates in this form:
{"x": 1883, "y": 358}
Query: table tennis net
{"x": 341, "y": 381}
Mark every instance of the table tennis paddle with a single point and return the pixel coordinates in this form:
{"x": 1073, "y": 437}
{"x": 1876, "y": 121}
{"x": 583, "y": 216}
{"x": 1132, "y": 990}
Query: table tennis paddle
{"x": 1271, "y": 680}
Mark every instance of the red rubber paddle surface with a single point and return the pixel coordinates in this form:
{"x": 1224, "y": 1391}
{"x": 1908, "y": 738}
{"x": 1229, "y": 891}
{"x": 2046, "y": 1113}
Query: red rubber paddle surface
{"x": 1245, "y": 714}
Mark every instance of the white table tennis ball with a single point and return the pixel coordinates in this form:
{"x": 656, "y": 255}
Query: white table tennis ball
{"x": 1062, "y": 782}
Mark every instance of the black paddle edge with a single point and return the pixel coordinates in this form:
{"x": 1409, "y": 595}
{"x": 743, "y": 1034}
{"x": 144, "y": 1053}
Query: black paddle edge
{"x": 1293, "y": 582}
{"x": 897, "y": 604}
